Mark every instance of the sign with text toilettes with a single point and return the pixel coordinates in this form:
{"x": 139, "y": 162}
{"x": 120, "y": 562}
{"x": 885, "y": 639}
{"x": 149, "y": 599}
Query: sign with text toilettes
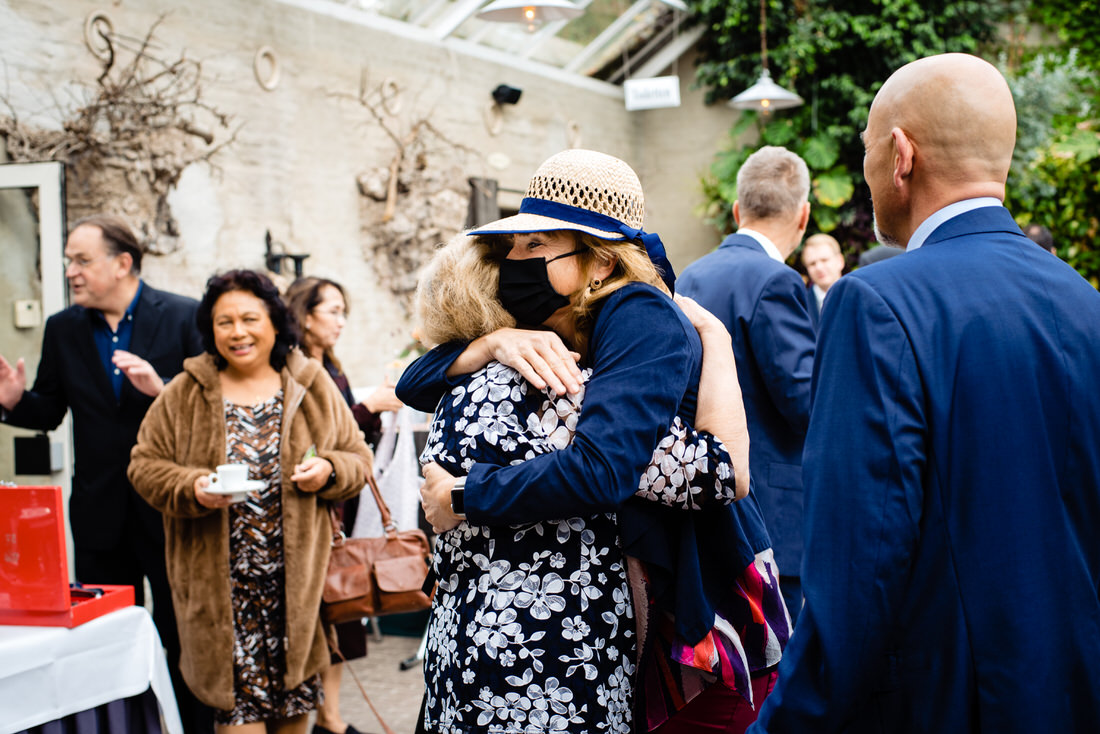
{"x": 653, "y": 93}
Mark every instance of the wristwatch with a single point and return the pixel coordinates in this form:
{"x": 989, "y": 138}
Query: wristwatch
{"x": 458, "y": 503}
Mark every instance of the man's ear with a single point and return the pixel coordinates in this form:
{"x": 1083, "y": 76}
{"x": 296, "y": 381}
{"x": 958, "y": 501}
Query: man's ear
{"x": 903, "y": 156}
{"x": 737, "y": 213}
{"x": 125, "y": 264}
{"x": 804, "y": 217}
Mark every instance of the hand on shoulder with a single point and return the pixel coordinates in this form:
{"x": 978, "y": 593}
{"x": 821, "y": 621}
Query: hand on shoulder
{"x": 541, "y": 357}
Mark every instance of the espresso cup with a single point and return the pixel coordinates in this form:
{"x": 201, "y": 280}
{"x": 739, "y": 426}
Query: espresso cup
{"x": 230, "y": 476}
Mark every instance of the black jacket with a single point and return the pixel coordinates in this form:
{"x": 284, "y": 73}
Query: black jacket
{"x": 71, "y": 376}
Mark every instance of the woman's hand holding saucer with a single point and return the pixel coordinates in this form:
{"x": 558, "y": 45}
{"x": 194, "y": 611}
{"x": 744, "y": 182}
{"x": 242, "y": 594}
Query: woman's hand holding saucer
{"x": 206, "y": 499}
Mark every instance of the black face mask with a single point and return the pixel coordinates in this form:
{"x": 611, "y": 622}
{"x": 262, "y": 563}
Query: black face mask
{"x": 525, "y": 291}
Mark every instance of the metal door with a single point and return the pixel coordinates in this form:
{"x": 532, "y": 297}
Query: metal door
{"x": 32, "y": 286}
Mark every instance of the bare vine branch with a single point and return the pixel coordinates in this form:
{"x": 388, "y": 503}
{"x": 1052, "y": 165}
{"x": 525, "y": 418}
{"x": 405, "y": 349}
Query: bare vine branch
{"x": 144, "y": 117}
{"x": 422, "y": 190}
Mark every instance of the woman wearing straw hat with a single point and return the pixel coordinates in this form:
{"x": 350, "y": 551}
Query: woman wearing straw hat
{"x": 539, "y": 637}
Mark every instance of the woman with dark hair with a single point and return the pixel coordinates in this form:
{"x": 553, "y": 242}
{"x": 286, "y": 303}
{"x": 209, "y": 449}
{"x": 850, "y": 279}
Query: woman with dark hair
{"x": 320, "y": 308}
{"x": 247, "y": 570}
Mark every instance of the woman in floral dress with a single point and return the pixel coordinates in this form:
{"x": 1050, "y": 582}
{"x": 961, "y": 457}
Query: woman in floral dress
{"x": 533, "y": 628}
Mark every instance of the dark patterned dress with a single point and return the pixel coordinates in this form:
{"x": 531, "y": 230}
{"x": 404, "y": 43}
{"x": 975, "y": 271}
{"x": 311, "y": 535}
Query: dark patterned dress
{"x": 532, "y": 626}
{"x": 256, "y": 572}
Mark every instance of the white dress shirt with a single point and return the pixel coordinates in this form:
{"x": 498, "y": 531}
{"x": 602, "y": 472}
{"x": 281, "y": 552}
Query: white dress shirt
{"x": 768, "y": 245}
{"x": 928, "y": 226}
{"x": 819, "y": 294}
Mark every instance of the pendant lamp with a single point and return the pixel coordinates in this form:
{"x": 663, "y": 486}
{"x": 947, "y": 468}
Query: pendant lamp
{"x": 765, "y": 95}
{"x": 532, "y": 12}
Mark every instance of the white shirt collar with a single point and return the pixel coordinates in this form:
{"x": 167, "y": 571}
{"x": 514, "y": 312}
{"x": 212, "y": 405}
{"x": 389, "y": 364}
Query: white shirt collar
{"x": 768, "y": 245}
{"x": 928, "y": 226}
{"x": 819, "y": 294}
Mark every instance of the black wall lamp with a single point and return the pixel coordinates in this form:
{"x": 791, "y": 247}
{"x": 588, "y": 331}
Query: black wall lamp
{"x": 505, "y": 94}
{"x": 273, "y": 261}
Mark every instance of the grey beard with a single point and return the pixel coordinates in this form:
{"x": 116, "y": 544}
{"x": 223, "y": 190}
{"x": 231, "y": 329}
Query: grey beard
{"x": 886, "y": 239}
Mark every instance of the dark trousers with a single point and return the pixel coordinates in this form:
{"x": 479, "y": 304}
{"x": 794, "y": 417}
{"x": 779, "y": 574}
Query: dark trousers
{"x": 139, "y": 555}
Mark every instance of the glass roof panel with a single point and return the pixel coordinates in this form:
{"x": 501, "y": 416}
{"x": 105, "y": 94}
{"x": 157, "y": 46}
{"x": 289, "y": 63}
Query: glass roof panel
{"x": 597, "y": 16}
{"x": 600, "y": 43}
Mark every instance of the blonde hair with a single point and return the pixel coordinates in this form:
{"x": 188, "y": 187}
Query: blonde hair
{"x": 456, "y": 296}
{"x": 632, "y": 265}
{"x": 772, "y": 182}
{"x": 820, "y": 239}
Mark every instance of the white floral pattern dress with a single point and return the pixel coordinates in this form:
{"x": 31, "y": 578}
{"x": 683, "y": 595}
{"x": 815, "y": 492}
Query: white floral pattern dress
{"x": 532, "y": 628}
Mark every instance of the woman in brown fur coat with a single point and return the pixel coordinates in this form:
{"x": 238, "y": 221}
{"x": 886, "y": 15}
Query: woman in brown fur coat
{"x": 247, "y": 575}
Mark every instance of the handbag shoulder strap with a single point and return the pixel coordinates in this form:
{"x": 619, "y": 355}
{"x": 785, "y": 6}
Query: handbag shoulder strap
{"x": 383, "y": 509}
{"x": 335, "y": 648}
{"x": 387, "y": 519}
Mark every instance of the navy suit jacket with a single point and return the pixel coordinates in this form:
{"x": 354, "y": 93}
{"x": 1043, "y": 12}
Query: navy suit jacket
{"x": 952, "y": 473}
{"x": 762, "y": 302}
{"x": 71, "y": 376}
{"x": 811, "y": 305}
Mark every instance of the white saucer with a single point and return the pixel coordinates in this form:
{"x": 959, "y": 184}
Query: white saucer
{"x": 238, "y": 494}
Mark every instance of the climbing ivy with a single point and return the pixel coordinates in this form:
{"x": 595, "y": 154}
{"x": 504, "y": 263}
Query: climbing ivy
{"x": 835, "y": 56}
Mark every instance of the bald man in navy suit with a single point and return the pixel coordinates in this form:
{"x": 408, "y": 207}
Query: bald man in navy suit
{"x": 952, "y": 475}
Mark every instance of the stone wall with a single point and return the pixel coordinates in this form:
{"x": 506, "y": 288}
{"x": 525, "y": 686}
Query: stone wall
{"x": 307, "y": 150}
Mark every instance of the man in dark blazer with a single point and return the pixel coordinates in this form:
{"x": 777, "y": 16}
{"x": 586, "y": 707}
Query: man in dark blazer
{"x": 877, "y": 254}
{"x": 106, "y": 358}
{"x": 951, "y": 466}
{"x": 824, "y": 263}
{"x": 762, "y": 302}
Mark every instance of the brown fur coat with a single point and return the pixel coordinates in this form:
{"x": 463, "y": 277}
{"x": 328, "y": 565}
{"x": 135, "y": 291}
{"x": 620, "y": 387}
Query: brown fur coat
{"x": 183, "y": 438}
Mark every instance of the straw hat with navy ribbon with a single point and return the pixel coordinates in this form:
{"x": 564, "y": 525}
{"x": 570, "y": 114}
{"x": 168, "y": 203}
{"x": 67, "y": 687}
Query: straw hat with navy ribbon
{"x": 586, "y": 191}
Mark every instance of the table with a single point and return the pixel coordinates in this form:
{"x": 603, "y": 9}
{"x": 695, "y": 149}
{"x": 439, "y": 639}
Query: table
{"x": 47, "y": 673}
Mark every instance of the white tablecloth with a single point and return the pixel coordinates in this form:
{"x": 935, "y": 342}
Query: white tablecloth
{"x": 50, "y": 672}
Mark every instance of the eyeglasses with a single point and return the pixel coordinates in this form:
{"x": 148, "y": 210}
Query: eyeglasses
{"x": 79, "y": 263}
{"x": 335, "y": 313}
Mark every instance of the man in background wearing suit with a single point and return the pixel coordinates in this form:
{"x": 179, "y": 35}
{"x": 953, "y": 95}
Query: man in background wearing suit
{"x": 762, "y": 302}
{"x": 824, "y": 265}
{"x": 105, "y": 358}
{"x": 951, "y": 466}
{"x": 1041, "y": 236}
{"x": 877, "y": 254}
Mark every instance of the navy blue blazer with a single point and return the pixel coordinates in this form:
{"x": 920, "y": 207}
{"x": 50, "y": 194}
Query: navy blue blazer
{"x": 763, "y": 304}
{"x": 952, "y": 497}
{"x": 811, "y": 305}
{"x": 71, "y": 376}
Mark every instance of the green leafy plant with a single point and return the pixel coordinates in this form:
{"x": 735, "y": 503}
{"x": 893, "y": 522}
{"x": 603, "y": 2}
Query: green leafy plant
{"x": 835, "y": 56}
{"x": 1055, "y": 176}
{"x": 831, "y": 183}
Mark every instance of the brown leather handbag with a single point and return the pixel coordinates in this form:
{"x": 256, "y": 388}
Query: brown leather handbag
{"x": 371, "y": 577}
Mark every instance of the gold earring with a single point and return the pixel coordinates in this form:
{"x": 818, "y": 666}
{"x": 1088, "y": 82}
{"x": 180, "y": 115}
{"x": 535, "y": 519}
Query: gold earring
{"x": 595, "y": 284}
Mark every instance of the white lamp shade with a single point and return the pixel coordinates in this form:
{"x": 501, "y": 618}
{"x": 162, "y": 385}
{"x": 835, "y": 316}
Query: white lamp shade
{"x": 765, "y": 96}
{"x": 531, "y": 12}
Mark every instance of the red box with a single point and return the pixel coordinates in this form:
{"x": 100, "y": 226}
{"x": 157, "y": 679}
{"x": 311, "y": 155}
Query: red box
{"x": 34, "y": 570}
